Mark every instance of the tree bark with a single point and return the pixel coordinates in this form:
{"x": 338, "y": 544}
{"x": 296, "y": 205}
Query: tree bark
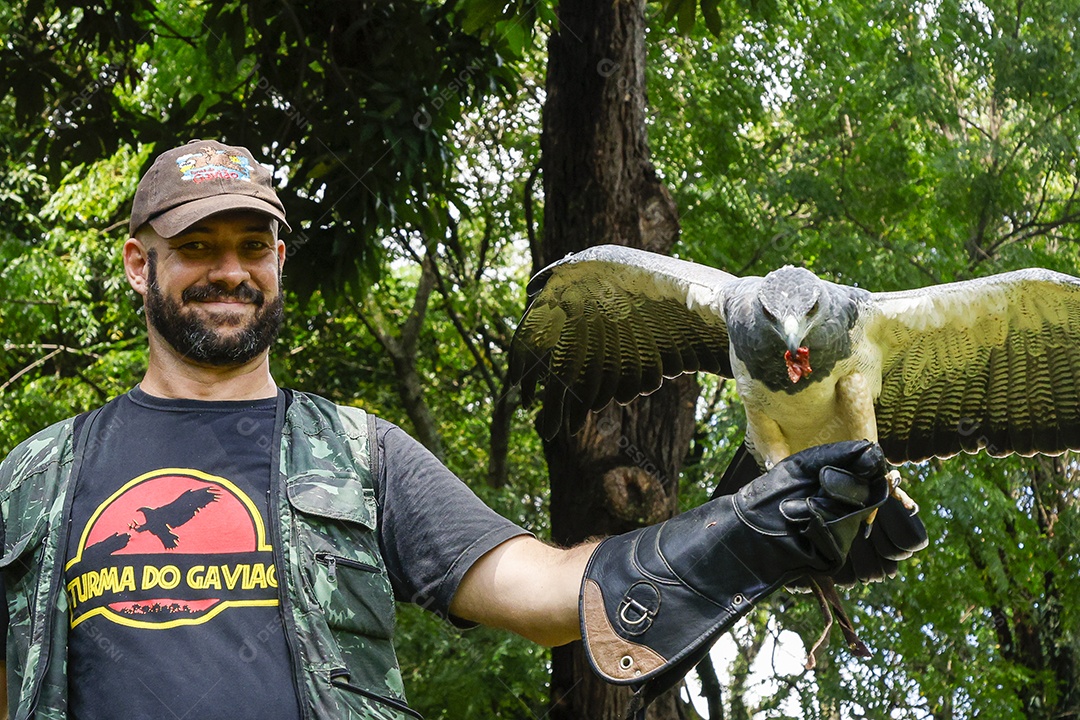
{"x": 621, "y": 471}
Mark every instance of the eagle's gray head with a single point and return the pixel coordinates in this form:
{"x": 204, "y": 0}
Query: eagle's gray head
{"x": 790, "y": 328}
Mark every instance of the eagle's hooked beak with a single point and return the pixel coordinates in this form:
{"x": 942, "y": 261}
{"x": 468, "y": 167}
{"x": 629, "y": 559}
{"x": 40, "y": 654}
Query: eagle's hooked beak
{"x": 793, "y": 333}
{"x": 797, "y": 356}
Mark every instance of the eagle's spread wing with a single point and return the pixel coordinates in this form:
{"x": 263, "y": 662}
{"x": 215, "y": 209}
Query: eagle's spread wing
{"x": 987, "y": 364}
{"x": 612, "y": 322}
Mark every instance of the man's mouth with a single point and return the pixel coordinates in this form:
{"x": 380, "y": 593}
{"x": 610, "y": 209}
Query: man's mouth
{"x": 223, "y": 301}
{"x": 241, "y": 295}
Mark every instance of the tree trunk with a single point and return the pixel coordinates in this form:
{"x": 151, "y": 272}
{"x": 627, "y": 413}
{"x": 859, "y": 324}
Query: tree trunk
{"x": 711, "y": 689}
{"x": 621, "y": 471}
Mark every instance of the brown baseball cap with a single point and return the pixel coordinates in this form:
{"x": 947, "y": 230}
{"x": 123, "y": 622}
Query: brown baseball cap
{"x": 200, "y": 179}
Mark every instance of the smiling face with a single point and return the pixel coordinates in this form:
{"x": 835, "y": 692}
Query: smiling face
{"x": 213, "y": 292}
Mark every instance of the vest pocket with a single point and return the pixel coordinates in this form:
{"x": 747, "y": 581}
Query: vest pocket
{"x": 331, "y": 562}
{"x": 333, "y": 524}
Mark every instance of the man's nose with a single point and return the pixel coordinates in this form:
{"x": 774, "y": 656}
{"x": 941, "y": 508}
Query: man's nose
{"x": 228, "y": 270}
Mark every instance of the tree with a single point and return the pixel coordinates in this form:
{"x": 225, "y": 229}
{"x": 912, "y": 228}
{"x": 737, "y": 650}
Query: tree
{"x": 359, "y": 113}
{"x": 622, "y": 470}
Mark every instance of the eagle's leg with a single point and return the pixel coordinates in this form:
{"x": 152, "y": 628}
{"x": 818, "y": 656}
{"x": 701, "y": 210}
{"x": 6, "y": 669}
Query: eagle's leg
{"x": 855, "y": 407}
{"x": 765, "y": 438}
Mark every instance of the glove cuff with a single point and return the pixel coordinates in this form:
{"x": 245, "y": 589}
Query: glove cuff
{"x": 613, "y": 657}
{"x": 622, "y": 661}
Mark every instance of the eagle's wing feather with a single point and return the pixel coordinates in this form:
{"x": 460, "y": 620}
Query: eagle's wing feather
{"x": 987, "y": 364}
{"x": 610, "y": 323}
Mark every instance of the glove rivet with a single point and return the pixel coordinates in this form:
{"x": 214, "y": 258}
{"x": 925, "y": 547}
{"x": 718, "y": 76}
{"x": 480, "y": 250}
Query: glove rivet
{"x": 738, "y": 599}
{"x": 626, "y": 662}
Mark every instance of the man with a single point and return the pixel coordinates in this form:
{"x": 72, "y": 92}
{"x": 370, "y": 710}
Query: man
{"x": 212, "y": 545}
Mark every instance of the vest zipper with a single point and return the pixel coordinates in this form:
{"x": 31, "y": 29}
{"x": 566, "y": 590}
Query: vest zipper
{"x": 284, "y": 572}
{"x": 331, "y": 562}
{"x": 336, "y": 678}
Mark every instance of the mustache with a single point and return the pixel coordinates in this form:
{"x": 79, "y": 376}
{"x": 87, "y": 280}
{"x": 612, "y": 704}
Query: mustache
{"x": 211, "y": 293}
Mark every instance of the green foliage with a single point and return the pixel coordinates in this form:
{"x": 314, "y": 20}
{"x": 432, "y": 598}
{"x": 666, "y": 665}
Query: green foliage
{"x": 892, "y": 146}
{"x": 879, "y": 143}
{"x": 478, "y": 673}
{"x": 71, "y": 337}
{"x": 355, "y": 101}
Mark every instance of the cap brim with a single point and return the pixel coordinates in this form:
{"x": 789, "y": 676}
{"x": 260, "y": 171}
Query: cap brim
{"x": 175, "y": 221}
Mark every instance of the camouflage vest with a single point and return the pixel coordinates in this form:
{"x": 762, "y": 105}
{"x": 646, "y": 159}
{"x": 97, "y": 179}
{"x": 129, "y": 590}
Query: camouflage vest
{"x": 336, "y": 599}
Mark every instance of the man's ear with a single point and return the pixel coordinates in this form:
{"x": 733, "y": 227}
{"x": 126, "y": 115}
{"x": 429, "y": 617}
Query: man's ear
{"x": 137, "y": 265}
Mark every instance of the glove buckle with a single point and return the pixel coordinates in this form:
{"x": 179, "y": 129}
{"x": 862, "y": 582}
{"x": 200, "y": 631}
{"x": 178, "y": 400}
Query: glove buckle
{"x": 639, "y": 606}
{"x": 632, "y": 604}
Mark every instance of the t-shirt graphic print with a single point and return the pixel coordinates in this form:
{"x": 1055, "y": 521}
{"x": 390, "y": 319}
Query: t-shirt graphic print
{"x": 172, "y": 547}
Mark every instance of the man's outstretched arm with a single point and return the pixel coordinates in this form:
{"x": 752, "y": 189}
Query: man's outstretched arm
{"x": 528, "y": 587}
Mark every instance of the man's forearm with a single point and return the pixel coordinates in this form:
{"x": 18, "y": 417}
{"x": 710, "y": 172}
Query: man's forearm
{"x": 527, "y": 587}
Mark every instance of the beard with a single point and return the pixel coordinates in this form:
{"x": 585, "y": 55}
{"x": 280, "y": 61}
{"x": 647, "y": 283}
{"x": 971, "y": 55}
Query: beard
{"x": 202, "y": 341}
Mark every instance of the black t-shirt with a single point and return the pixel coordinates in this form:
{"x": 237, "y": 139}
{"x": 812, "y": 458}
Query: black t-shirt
{"x": 170, "y": 576}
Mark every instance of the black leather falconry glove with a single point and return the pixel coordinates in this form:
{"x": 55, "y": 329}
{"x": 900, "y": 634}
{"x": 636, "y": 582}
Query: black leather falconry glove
{"x": 898, "y": 531}
{"x": 653, "y": 600}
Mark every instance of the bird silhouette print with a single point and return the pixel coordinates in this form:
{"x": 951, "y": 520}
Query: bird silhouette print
{"x": 161, "y": 521}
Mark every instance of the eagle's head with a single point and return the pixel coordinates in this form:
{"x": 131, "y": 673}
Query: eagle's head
{"x": 793, "y": 329}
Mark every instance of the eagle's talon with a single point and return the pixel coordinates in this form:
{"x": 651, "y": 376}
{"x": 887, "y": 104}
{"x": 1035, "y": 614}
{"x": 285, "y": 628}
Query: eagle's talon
{"x": 893, "y": 476}
{"x": 905, "y": 500}
{"x": 894, "y": 479}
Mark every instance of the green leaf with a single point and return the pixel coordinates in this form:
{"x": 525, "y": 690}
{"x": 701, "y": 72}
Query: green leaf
{"x": 687, "y": 16}
{"x": 710, "y": 13}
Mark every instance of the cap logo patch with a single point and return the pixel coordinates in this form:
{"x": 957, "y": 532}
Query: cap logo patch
{"x": 212, "y": 164}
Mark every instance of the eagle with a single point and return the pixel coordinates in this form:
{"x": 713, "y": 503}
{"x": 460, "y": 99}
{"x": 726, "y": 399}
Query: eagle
{"x": 161, "y": 521}
{"x": 980, "y": 365}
